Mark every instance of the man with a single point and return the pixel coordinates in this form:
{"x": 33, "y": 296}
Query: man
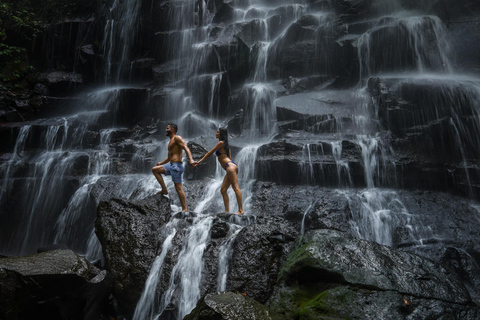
{"x": 175, "y": 167}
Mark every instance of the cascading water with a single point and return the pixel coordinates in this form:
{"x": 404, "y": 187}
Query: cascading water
{"x": 186, "y": 276}
{"x": 146, "y": 308}
{"x": 268, "y": 59}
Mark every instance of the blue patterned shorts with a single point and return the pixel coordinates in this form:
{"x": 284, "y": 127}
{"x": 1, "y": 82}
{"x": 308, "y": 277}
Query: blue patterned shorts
{"x": 175, "y": 170}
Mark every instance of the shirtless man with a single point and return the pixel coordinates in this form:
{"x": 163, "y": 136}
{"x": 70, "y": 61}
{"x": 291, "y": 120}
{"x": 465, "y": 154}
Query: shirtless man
{"x": 175, "y": 167}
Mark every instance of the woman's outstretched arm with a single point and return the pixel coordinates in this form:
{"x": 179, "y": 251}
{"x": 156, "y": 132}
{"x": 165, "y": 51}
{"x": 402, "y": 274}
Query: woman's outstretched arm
{"x": 209, "y": 153}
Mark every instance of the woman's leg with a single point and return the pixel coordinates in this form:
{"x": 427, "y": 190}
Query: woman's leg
{"x": 233, "y": 180}
{"x": 223, "y": 190}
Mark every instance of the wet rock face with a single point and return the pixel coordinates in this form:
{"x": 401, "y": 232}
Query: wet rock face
{"x": 231, "y": 306}
{"x": 317, "y": 208}
{"x": 434, "y": 133}
{"x": 429, "y": 213}
{"x": 316, "y": 274}
{"x": 129, "y": 238}
{"x": 258, "y": 254}
{"x": 204, "y": 170}
{"x": 60, "y": 82}
{"x": 55, "y": 284}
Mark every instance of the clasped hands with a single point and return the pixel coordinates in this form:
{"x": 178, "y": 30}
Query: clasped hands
{"x": 194, "y": 163}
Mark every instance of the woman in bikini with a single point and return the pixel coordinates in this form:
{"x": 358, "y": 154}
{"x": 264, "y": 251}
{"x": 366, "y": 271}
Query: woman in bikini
{"x": 224, "y": 155}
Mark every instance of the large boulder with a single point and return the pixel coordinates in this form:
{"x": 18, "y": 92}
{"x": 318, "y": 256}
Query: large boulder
{"x": 128, "y": 232}
{"x": 231, "y": 306}
{"x": 259, "y": 252}
{"x": 332, "y": 274}
{"x": 56, "y": 284}
{"x": 204, "y": 170}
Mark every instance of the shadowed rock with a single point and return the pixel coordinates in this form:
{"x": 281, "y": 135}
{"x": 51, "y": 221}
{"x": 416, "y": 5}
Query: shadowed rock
{"x": 231, "y": 306}
{"x": 329, "y": 270}
{"x": 128, "y": 232}
{"x": 260, "y": 250}
{"x": 52, "y": 285}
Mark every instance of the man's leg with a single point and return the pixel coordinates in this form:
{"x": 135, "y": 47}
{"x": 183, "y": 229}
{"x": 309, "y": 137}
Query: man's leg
{"x": 181, "y": 196}
{"x": 157, "y": 172}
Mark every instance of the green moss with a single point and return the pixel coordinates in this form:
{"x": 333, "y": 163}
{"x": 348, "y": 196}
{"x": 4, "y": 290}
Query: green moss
{"x": 328, "y": 303}
{"x": 300, "y": 253}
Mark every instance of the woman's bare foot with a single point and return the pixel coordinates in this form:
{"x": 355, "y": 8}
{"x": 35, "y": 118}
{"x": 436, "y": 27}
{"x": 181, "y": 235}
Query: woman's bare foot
{"x": 162, "y": 192}
{"x": 240, "y": 212}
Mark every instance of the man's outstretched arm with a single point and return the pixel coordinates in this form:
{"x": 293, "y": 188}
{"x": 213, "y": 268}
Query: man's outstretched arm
{"x": 185, "y": 147}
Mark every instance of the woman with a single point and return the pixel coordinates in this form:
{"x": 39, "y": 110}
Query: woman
{"x": 222, "y": 151}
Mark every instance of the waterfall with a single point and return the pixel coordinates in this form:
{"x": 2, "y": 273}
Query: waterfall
{"x": 224, "y": 257}
{"x": 373, "y": 92}
{"x": 378, "y": 213}
{"x": 19, "y": 145}
{"x": 119, "y": 39}
{"x": 307, "y": 211}
{"x": 186, "y": 276}
{"x": 343, "y": 168}
{"x": 307, "y": 169}
{"x": 146, "y": 308}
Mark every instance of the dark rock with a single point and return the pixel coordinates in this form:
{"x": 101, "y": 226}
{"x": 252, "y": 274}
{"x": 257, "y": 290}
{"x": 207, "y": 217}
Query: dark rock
{"x": 129, "y": 238}
{"x": 211, "y": 93}
{"x": 169, "y": 71}
{"x": 141, "y": 70}
{"x": 351, "y": 10}
{"x": 259, "y": 252}
{"x": 298, "y": 85}
{"x": 316, "y": 270}
{"x": 205, "y": 169}
{"x": 289, "y": 162}
{"x": 219, "y": 229}
{"x": 428, "y": 108}
{"x": 55, "y": 284}
{"x": 466, "y": 266}
{"x": 52, "y": 247}
{"x": 317, "y": 208}
{"x": 234, "y": 58}
{"x": 231, "y": 306}
{"x": 225, "y": 14}
{"x": 236, "y": 123}
{"x": 90, "y": 139}
{"x": 414, "y": 43}
{"x": 41, "y": 89}
{"x": 61, "y": 83}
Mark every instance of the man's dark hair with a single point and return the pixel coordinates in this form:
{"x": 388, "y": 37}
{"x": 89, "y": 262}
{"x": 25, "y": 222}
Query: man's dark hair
{"x": 173, "y": 126}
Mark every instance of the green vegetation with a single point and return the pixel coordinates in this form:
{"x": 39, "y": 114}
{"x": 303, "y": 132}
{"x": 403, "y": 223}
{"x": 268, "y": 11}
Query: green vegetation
{"x": 21, "y": 21}
{"x": 325, "y": 304}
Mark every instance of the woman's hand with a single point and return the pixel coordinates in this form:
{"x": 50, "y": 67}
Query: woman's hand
{"x": 195, "y": 163}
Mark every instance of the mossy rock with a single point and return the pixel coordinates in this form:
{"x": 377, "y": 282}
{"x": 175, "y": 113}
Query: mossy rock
{"x": 332, "y": 275}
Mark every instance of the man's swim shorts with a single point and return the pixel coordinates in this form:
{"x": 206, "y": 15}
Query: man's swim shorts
{"x": 174, "y": 169}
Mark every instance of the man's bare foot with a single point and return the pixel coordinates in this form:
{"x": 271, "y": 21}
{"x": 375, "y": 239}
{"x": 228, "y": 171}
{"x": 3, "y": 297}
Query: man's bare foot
{"x": 240, "y": 212}
{"x": 165, "y": 192}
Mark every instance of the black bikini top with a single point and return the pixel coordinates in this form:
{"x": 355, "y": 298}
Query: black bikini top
{"x": 218, "y": 153}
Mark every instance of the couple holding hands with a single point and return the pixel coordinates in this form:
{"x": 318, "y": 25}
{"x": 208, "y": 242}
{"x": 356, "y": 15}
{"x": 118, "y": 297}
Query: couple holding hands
{"x": 173, "y": 166}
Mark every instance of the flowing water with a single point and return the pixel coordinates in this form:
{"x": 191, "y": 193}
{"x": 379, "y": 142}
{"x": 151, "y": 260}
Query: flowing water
{"x": 63, "y": 166}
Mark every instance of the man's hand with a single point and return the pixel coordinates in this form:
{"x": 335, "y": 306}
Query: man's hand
{"x": 192, "y": 163}
{"x": 195, "y": 163}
